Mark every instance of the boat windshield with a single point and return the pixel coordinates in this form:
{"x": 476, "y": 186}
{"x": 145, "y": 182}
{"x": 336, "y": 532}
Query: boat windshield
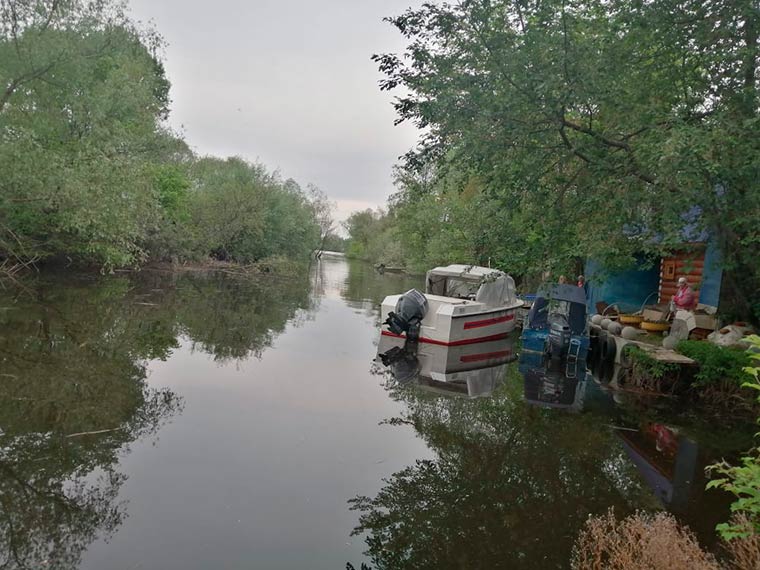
{"x": 490, "y": 287}
{"x": 453, "y": 287}
{"x": 543, "y": 307}
{"x": 461, "y": 289}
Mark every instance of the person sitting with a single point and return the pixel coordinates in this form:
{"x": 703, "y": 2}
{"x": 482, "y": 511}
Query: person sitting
{"x": 684, "y": 299}
{"x": 582, "y": 284}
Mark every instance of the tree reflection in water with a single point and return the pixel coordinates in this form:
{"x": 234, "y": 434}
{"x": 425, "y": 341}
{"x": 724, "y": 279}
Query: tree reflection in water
{"x": 509, "y": 487}
{"x": 74, "y": 395}
{"x": 364, "y": 289}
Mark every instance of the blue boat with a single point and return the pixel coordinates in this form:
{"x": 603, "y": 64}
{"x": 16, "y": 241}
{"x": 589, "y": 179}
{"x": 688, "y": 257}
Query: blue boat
{"x": 556, "y": 324}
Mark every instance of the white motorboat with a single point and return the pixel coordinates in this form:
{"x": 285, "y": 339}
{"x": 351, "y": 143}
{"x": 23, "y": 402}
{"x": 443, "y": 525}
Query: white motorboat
{"x": 462, "y": 304}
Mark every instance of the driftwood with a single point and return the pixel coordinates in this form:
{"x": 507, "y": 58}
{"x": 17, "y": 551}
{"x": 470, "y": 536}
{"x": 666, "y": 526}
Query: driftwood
{"x": 92, "y": 432}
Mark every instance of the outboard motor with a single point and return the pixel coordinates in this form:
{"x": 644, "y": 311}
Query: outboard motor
{"x": 559, "y": 337}
{"x": 410, "y": 310}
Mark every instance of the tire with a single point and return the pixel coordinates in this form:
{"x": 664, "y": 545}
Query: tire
{"x": 608, "y": 359}
{"x": 593, "y": 347}
{"x": 596, "y": 357}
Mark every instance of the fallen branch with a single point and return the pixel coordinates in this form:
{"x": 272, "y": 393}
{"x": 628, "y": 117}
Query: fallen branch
{"x": 92, "y": 432}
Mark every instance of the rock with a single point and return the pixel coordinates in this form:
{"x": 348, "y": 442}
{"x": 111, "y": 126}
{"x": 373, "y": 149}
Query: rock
{"x": 732, "y": 335}
{"x": 631, "y": 333}
{"x": 670, "y": 342}
{"x": 615, "y": 328}
{"x": 679, "y": 329}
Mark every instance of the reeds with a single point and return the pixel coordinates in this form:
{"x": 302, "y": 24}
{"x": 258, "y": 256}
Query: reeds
{"x": 655, "y": 542}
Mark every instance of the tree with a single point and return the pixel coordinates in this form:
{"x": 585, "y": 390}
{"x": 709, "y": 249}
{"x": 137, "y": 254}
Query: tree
{"x": 80, "y": 124}
{"x": 240, "y": 212}
{"x": 323, "y": 215}
{"x": 617, "y": 123}
{"x": 93, "y": 174}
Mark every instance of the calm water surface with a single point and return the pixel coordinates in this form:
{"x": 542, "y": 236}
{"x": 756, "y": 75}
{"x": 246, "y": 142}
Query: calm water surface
{"x": 190, "y": 422}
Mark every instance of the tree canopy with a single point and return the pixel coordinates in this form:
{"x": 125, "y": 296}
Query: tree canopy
{"x": 560, "y": 129}
{"x": 91, "y": 170}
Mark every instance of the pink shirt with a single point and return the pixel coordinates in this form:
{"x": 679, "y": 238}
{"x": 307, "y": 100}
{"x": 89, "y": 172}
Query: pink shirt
{"x": 684, "y": 298}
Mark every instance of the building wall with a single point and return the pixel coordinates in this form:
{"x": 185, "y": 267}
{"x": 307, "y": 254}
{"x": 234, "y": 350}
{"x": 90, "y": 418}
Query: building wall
{"x": 701, "y": 266}
{"x": 687, "y": 262}
{"x": 628, "y": 289}
{"x": 709, "y": 293}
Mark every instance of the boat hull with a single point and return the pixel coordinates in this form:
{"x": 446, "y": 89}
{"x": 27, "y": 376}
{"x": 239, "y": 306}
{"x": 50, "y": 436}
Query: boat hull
{"x": 536, "y": 341}
{"x": 456, "y": 322}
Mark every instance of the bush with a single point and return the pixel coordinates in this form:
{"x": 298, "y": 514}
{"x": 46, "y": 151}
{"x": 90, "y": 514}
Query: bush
{"x": 656, "y": 542}
{"x": 648, "y": 373}
{"x": 639, "y": 542}
{"x": 744, "y": 552}
{"x": 743, "y": 481}
{"x": 716, "y": 363}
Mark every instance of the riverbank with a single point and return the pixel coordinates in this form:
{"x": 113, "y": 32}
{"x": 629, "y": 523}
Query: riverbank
{"x": 282, "y": 267}
{"x": 276, "y": 267}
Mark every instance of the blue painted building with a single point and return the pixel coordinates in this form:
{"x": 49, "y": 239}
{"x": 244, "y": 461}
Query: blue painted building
{"x": 647, "y": 283}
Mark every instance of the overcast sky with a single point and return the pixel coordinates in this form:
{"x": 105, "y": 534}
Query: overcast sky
{"x": 288, "y": 83}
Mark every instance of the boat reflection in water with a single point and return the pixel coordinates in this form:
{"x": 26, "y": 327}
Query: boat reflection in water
{"x": 473, "y": 370}
{"x": 553, "y": 383}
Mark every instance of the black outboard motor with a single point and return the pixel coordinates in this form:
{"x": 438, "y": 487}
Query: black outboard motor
{"x": 410, "y": 310}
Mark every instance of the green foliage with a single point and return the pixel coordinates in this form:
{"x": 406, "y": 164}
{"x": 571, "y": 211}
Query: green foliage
{"x": 240, "y": 212}
{"x": 172, "y": 185}
{"x": 373, "y": 237}
{"x": 716, "y": 363}
{"x": 80, "y": 124}
{"x": 754, "y": 356}
{"x": 91, "y": 171}
{"x": 648, "y": 366}
{"x": 550, "y": 126}
{"x": 335, "y": 242}
{"x": 743, "y": 480}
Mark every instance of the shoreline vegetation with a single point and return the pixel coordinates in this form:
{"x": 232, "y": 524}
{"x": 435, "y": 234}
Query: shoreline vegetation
{"x": 272, "y": 266}
{"x": 556, "y": 133}
{"x": 94, "y": 177}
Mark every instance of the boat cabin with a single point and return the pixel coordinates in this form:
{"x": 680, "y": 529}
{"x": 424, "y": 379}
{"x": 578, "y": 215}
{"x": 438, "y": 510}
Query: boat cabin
{"x": 491, "y": 287}
{"x": 565, "y": 303}
{"x": 557, "y": 322}
{"x": 462, "y": 304}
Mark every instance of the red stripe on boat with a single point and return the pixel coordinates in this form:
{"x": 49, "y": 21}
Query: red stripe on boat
{"x": 499, "y": 336}
{"x": 484, "y": 356}
{"x": 488, "y": 322}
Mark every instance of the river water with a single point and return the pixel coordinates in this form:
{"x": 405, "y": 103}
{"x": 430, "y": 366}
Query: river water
{"x": 189, "y": 421}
